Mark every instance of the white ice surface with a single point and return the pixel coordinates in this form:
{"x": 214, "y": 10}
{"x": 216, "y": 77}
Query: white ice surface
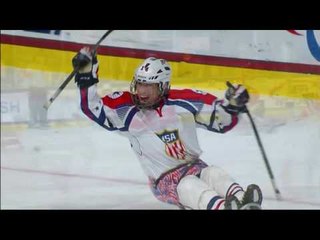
{"x": 86, "y": 167}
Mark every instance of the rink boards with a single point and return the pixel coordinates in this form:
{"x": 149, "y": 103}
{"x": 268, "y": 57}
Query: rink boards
{"x": 28, "y": 62}
{"x": 190, "y": 70}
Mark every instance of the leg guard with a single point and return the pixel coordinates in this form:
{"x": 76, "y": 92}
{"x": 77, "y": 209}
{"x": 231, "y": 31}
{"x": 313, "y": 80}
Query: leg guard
{"x": 196, "y": 194}
{"x": 218, "y": 179}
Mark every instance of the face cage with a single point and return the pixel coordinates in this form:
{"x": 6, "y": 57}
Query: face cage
{"x": 163, "y": 89}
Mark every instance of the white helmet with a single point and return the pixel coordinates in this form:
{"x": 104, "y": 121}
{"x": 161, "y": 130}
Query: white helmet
{"x": 153, "y": 70}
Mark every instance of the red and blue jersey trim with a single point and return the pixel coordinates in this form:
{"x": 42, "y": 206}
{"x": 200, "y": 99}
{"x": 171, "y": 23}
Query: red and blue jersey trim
{"x": 123, "y": 99}
{"x": 115, "y": 103}
{"x": 192, "y": 96}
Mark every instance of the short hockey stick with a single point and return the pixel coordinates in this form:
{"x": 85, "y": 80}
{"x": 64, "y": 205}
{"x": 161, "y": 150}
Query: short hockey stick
{"x": 68, "y": 79}
{"x": 276, "y": 189}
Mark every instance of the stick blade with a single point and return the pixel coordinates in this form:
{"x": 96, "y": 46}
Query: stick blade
{"x": 47, "y": 105}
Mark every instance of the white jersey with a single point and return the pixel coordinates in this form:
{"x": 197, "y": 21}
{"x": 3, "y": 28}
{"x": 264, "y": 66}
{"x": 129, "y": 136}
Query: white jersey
{"x": 161, "y": 138}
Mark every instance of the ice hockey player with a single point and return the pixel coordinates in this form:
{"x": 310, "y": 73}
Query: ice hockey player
{"x": 160, "y": 124}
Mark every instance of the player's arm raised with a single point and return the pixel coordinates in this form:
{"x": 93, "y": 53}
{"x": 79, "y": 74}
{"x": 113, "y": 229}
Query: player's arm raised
{"x": 222, "y": 114}
{"x": 86, "y": 79}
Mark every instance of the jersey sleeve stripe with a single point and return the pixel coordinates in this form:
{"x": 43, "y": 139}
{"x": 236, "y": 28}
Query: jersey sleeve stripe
{"x": 85, "y": 104}
{"x": 129, "y": 117}
{"x": 86, "y": 110}
{"x": 183, "y": 104}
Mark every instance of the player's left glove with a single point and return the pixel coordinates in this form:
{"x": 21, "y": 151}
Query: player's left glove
{"x": 236, "y": 98}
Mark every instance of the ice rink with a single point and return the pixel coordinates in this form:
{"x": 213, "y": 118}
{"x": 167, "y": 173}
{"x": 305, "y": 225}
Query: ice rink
{"x": 82, "y": 166}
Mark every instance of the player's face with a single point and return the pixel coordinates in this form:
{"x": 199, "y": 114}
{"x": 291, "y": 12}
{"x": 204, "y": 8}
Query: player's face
{"x": 148, "y": 94}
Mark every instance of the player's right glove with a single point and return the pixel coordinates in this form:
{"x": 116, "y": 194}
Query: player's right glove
{"x": 82, "y": 59}
{"x": 88, "y": 66}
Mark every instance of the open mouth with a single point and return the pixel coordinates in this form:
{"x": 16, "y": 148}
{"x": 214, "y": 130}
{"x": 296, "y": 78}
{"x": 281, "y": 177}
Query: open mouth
{"x": 143, "y": 98}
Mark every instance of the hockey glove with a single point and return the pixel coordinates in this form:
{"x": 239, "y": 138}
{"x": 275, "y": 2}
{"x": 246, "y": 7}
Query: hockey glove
{"x": 88, "y": 73}
{"x": 83, "y": 58}
{"x": 236, "y": 98}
